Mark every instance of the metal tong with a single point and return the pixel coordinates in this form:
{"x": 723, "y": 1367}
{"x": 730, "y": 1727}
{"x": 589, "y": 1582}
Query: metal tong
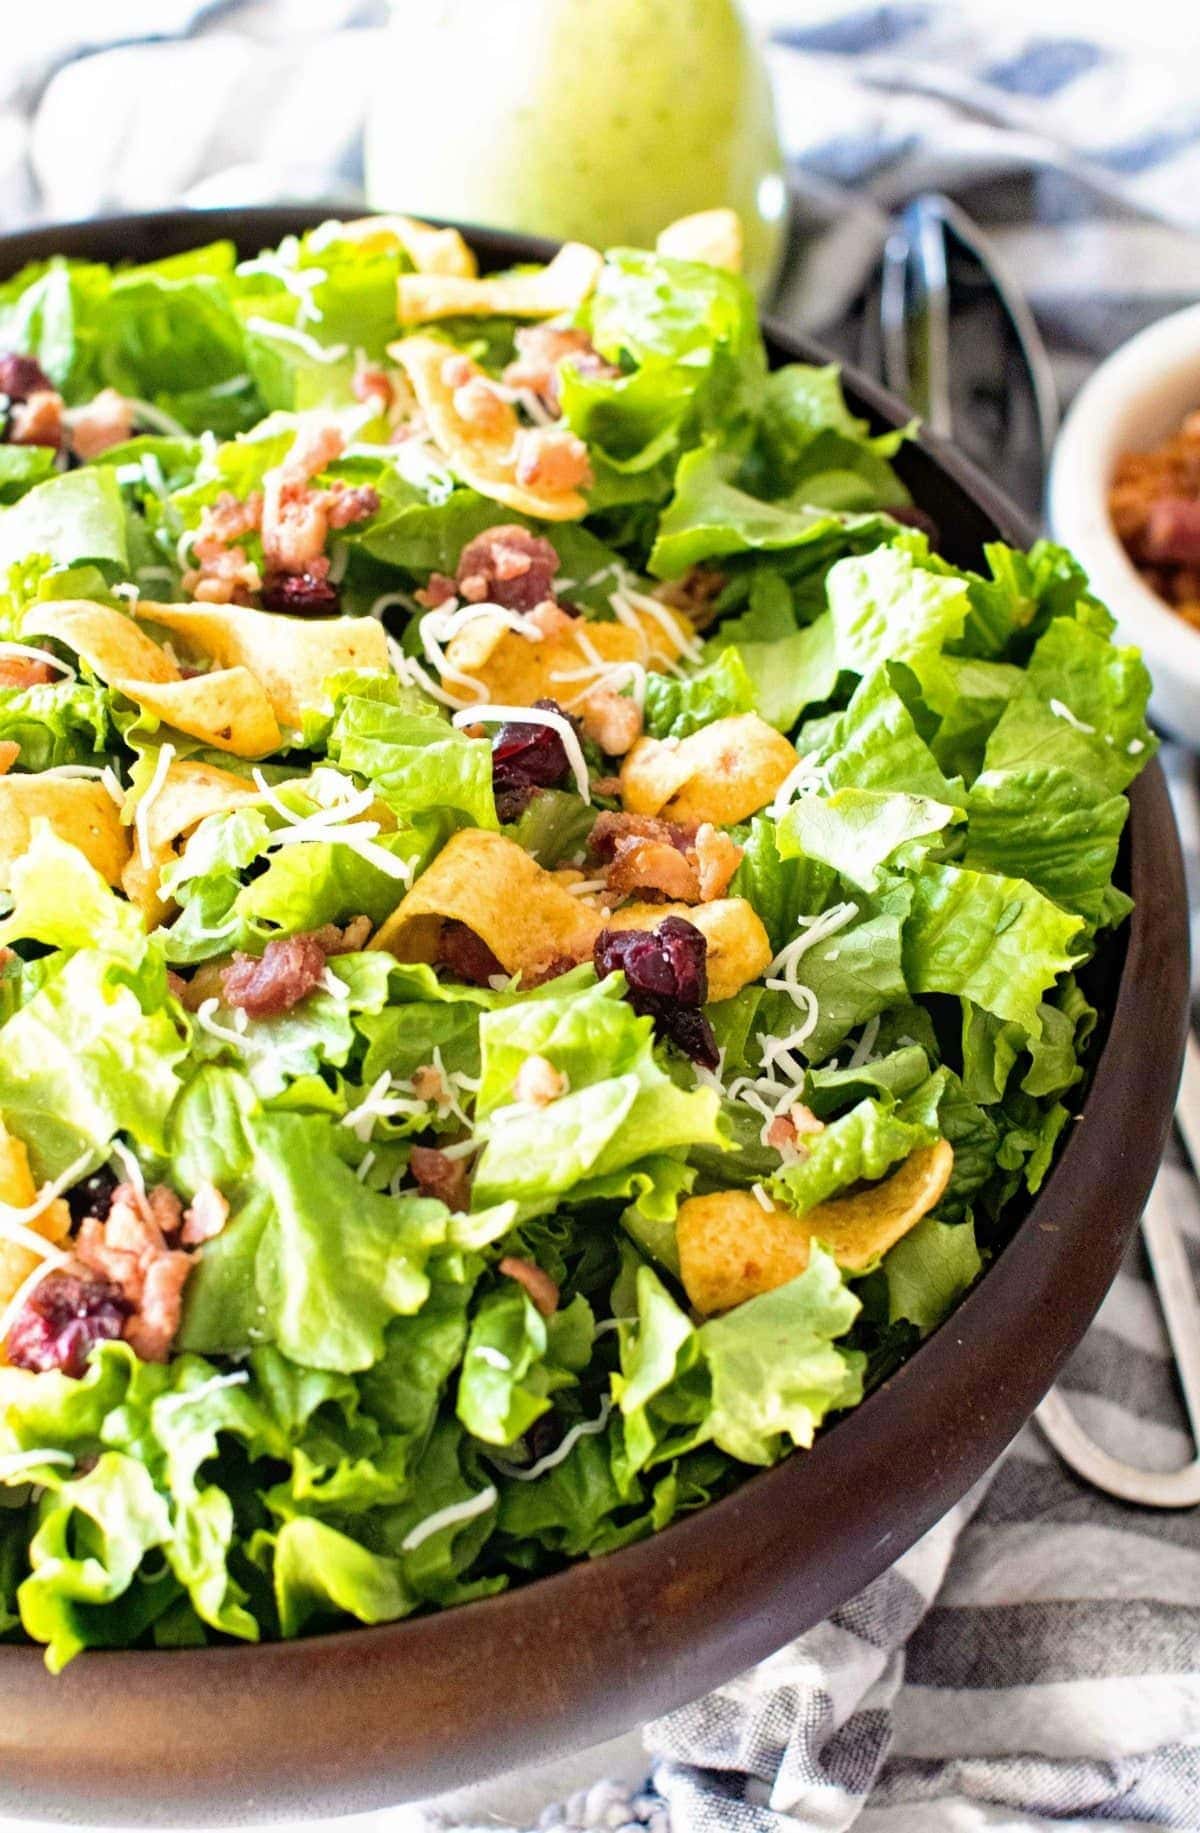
{"x": 949, "y": 331}
{"x": 1181, "y": 1312}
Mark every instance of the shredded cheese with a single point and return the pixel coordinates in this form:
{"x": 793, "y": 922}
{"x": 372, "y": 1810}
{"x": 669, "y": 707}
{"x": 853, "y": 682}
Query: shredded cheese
{"x": 16, "y": 1219}
{"x": 129, "y": 1165}
{"x": 534, "y": 716}
{"x": 495, "y": 1358}
{"x": 584, "y": 1428}
{"x": 157, "y": 418}
{"x": 451, "y": 1516}
{"x": 804, "y": 780}
{"x": 170, "y": 1403}
{"x": 427, "y": 630}
{"x": 288, "y": 334}
{"x": 364, "y": 1166}
{"x": 862, "y": 1050}
{"x": 33, "y": 654}
{"x": 761, "y": 1197}
{"x": 206, "y": 1022}
{"x": 146, "y": 801}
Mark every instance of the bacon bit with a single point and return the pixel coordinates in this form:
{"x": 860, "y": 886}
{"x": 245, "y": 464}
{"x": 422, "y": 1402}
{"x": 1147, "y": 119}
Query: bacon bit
{"x": 345, "y": 941}
{"x": 717, "y": 858}
{"x": 10, "y": 751}
{"x": 347, "y": 503}
{"x": 611, "y": 720}
{"x": 695, "y": 594}
{"x": 205, "y": 1216}
{"x": 151, "y": 1330}
{"x": 25, "y": 671}
{"x": 103, "y": 423}
{"x": 785, "y": 1132}
{"x": 371, "y": 384}
{"x": 177, "y": 986}
{"x": 479, "y": 407}
{"x": 507, "y": 566}
{"x": 539, "y": 1285}
{"x": 465, "y": 955}
{"x": 457, "y": 370}
{"x": 38, "y": 420}
{"x": 652, "y": 866}
{"x": 613, "y": 826}
{"x": 440, "y": 1177}
{"x": 538, "y": 1083}
{"x": 606, "y": 786}
{"x": 229, "y": 519}
{"x": 290, "y": 969}
{"x": 295, "y": 518}
{"x": 551, "y": 459}
{"x": 439, "y": 590}
{"x": 130, "y": 1248}
{"x": 551, "y": 619}
{"x": 543, "y": 350}
{"x": 428, "y": 1084}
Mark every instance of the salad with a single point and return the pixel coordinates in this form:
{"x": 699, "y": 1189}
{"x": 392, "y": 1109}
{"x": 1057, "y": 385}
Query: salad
{"x": 542, "y": 919}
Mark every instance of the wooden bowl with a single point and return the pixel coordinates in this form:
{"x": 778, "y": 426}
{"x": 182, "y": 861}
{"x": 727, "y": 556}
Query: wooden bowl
{"x": 368, "y": 1717}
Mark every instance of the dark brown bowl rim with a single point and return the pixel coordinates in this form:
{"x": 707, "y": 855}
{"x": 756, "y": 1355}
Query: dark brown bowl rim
{"x": 363, "y": 1718}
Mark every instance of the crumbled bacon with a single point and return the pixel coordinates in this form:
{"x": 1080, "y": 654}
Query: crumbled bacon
{"x": 205, "y": 1216}
{"x": 539, "y": 1285}
{"x": 287, "y": 972}
{"x": 611, "y": 720}
{"x": 465, "y": 955}
{"x": 480, "y": 407}
{"x": 372, "y": 385}
{"x": 429, "y": 1084}
{"x": 438, "y": 590}
{"x": 24, "y": 671}
{"x": 440, "y": 1177}
{"x": 543, "y": 350}
{"x": 538, "y": 1083}
{"x": 717, "y": 859}
{"x": 346, "y": 940}
{"x": 131, "y": 1247}
{"x": 229, "y": 519}
{"x": 38, "y": 420}
{"x": 507, "y": 566}
{"x": 551, "y": 620}
{"x": 549, "y": 458}
{"x": 296, "y": 519}
{"x": 785, "y": 1132}
{"x": 104, "y": 422}
{"x": 682, "y": 863}
{"x": 695, "y": 594}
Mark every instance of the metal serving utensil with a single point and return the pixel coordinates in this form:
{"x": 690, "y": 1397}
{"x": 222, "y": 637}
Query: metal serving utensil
{"x": 1181, "y": 1311}
{"x": 949, "y": 331}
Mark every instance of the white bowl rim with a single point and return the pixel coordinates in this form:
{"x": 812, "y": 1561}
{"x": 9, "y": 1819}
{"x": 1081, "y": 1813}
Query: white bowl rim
{"x": 1080, "y": 473}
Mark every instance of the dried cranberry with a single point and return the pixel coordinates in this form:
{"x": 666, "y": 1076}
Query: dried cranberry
{"x": 526, "y": 758}
{"x": 666, "y": 975}
{"x": 465, "y": 955}
{"x": 62, "y": 1320}
{"x": 93, "y": 1197}
{"x": 21, "y": 376}
{"x": 302, "y": 594}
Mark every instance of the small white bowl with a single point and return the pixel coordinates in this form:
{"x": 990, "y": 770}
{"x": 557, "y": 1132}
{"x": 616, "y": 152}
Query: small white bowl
{"x": 1133, "y": 402}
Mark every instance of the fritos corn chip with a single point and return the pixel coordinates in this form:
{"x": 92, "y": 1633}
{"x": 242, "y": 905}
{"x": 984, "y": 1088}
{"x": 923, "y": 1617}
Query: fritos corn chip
{"x": 431, "y": 251}
{"x": 722, "y": 773}
{"x": 291, "y": 657}
{"x": 493, "y": 886}
{"x": 18, "y": 1191}
{"x": 516, "y": 671}
{"x": 79, "y": 810}
{"x": 711, "y": 236}
{"x": 485, "y": 457}
{"x": 731, "y": 1248}
{"x": 561, "y": 286}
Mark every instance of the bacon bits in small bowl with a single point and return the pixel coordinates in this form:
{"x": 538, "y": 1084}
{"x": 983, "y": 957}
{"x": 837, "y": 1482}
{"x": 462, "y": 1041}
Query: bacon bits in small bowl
{"x": 1125, "y": 496}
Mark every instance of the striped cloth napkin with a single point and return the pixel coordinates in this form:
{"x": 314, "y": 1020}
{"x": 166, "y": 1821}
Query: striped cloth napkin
{"x": 1034, "y": 1662}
